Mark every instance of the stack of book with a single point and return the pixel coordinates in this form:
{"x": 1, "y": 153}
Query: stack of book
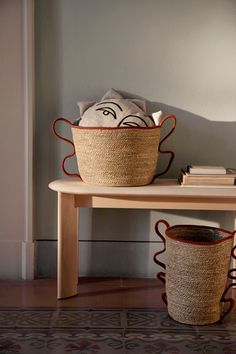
{"x": 196, "y": 175}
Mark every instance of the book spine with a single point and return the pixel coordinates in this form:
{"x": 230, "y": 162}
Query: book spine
{"x": 208, "y": 181}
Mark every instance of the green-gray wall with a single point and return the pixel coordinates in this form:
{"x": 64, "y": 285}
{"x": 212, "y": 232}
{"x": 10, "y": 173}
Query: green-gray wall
{"x": 180, "y": 55}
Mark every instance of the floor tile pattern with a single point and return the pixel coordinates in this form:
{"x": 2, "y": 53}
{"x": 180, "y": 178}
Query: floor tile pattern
{"x": 108, "y": 331}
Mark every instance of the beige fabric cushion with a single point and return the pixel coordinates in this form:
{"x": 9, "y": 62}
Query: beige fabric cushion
{"x": 114, "y": 111}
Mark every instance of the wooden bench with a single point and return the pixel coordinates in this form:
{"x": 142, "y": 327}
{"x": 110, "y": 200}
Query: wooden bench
{"x": 164, "y": 194}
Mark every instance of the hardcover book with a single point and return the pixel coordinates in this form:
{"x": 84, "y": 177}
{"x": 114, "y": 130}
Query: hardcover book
{"x": 201, "y": 169}
{"x": 228, "y": 179}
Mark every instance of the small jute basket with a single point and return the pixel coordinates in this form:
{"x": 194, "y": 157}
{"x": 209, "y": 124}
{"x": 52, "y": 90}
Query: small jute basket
{"x": 122, "y": 156}
{"x": 197, "y": 270}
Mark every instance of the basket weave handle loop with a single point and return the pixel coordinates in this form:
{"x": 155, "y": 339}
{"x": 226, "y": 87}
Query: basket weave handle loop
{"x": 66, "y": 140}
{"x": 172, "y": 154}
{"x": 231, "y": 277}
{"x": 161, "y": 275}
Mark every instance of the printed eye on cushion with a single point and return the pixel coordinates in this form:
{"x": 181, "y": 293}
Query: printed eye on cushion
{"x": 133, "y": 120}
{"x": 106, "y": 111}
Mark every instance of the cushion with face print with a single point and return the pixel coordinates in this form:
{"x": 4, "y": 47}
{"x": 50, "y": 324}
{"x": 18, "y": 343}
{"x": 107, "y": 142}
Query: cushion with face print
{"x": 114, "y": 111}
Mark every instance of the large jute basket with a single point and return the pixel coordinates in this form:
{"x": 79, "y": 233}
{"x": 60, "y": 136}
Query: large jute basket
{"x": 122, "y": 156}
{"x": 197, "y": 270}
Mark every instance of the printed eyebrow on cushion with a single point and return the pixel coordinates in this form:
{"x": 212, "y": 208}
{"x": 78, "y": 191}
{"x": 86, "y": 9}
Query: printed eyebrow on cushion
{"x": 105, "y": 102}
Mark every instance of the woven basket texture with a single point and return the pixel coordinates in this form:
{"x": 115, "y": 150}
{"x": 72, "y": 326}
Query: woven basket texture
{"x": 116, "y": 156}
{"x": 196, "y": 274}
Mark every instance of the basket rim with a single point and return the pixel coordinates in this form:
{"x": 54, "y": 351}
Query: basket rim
{"x": 114, "y": 128}
{"x": 182, "y": 240}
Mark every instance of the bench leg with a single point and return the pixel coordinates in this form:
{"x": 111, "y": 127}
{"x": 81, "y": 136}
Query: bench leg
{"x": 67, "y": 249}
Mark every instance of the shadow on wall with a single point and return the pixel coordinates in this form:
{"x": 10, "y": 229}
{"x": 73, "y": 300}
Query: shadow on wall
{"x": 196, "y": 140}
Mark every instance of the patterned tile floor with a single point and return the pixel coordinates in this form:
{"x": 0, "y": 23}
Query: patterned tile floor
{"x": 107, "y": 330}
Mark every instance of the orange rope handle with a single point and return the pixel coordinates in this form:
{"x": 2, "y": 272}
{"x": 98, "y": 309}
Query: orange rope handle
{"x": 161, "y": 275}
{"x": 232, "y": 277}
{"x": 66, "y": 140}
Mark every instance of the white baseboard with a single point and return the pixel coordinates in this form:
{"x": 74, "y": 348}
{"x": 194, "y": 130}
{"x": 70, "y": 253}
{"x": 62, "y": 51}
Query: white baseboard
{"x": 10, "y": 259}
{"x": 16, "y": 260}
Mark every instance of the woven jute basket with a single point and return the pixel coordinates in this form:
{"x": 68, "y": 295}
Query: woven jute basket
{"x": 197, "y": 267}
{"x": 122, "y": 156}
